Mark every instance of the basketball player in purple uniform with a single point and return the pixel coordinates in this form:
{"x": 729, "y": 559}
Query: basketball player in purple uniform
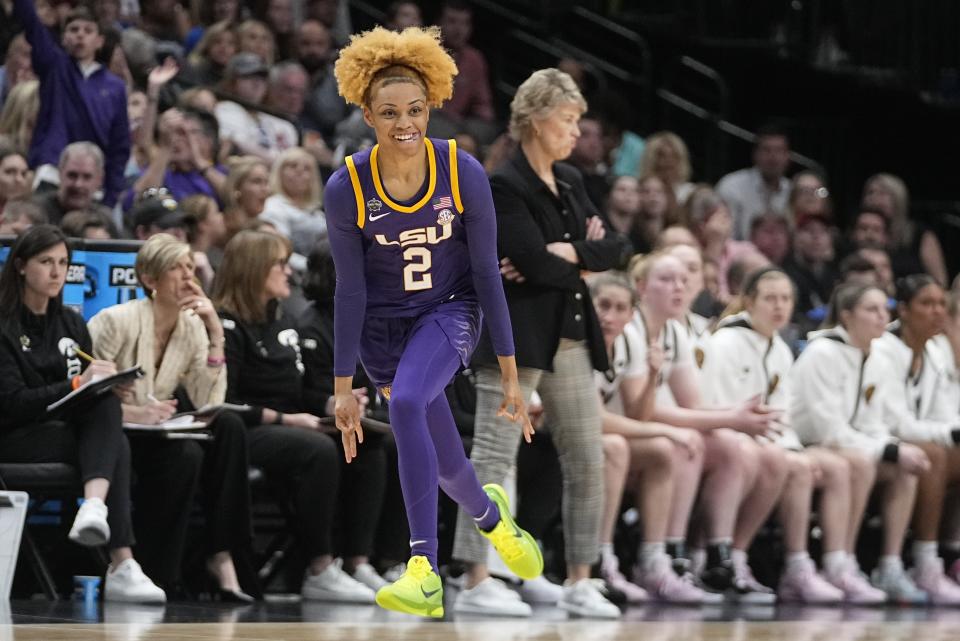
{"x": 413, "y": 235}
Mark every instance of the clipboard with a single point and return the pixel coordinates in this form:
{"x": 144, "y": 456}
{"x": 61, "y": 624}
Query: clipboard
{"x": 93, "y": 389}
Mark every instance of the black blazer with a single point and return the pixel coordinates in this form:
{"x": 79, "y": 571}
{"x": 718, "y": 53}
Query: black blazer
{"x": 529, "y": 216}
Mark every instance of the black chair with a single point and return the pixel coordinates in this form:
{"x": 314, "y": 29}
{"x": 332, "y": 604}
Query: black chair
{"x": 43, "y": 482}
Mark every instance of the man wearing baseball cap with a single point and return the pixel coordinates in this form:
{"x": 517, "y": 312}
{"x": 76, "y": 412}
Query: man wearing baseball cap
{"x": 158, "y": 213}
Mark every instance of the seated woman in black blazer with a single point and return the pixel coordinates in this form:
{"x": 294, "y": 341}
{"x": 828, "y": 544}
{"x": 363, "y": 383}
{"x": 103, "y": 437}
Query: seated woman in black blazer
{"x": 41, "y": 344}
{"x": 265, "y": 369}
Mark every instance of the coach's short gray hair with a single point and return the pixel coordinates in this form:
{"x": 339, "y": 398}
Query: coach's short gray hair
{"x": 541, "y": 93}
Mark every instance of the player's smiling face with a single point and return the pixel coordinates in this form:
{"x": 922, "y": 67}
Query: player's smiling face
{"x": 399, "y": 115}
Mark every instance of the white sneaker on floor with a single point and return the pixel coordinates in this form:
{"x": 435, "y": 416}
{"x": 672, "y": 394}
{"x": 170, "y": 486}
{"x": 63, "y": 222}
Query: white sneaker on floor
{"x": 746, "y": 587}
{"x": 663, "y": 584}
{"x": 855, "y": 586}
{"x": 128, "y": 584}
{"x": 898, "y": 586}
{"x": 583, "y": 599}
{"x": 90, "y": 526}
{"x": 491, "y": 597}
{"x": 610, "y": 572}
{"x": 930, "y": 577}
{"x": 394, "y": 572}
{"x": 335, "y": 585}
{"x": 365, "y": 574}
{"x": 541, "y": 591}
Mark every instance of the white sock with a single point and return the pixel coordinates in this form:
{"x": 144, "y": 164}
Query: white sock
{"x": 739, "y": 557}
{"x": 890, "y": 564}
{"x": 924, "y": 552}
{"x": 606, "y": 550}
{"x": 835, "y": 562}
{"x": 796, "y": 560}
{"x": 650, "y": 553}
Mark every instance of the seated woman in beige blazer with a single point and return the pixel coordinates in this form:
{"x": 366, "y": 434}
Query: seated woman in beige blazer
{"x": 177, "y": 338}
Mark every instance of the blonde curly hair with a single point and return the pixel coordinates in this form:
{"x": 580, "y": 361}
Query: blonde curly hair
{"x": 380, "y": 55}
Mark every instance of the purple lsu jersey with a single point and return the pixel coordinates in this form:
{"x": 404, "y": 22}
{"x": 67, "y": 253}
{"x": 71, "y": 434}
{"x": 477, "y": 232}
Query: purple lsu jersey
{"x": 415, "y": 253}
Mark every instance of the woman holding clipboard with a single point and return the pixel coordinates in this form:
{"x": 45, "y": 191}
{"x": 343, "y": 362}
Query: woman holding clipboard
{"x": 40, "y": 346}
{"x": 175, "y": 335}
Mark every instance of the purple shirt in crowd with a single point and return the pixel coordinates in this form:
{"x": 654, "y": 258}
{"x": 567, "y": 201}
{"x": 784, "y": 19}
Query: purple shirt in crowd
{"x": 75, "y": 108}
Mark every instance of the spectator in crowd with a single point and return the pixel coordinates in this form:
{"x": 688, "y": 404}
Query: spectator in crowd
{"x": 81, "y": 177}
{"x": 919, "y": 408}
{"x": 742, "y": 267}
{"x": 401, "y": 15}
{"x": 175, "y": 336}
{"x": 623, "y": 148}
{"x": 19, "y": 216}
{"x": 16, "y": 66}
{"x": 207, "y": 14}
{"x": 334, "y": 14}
{"x": 871, "y": 228}
{"x": 250, "y": 131}
{"x": 557, "y": 335}
{"x": 811, "y": 264}
{"x": 622, "y": 209}
{"x": 255, "y": 37}
{"x": 914, "y": 248}
{"x": 770, "y": 233}
{"x": 88, "y": 225}
{"x": 142, "y": 114}
{"x": 185, "y": 159}
{"x": 289, "y": 84}
{"x": 658, "y": 210}
{"x": 746, "y": 357}
{"x": 471, "y": 106}
{"x": 809, "y": 196}
{"x": 857, "y": 270}
{"x": 246, "y": 192}
{"x": 112, "y": 56}
{"x": 762, "y": 188}
{"x": 266, "y": 371}
{"x": 882, "y": 264}
{"x": 713, "y": 225}
{"x": 277, "y": 15}
{"x": 209, "y": 59}
{"x": 666, "y": 155}
{"x": 294, "y": 206}
{"x": 199, "y": 98}
{"x": 834, "y": 381}
{"x": 40, "y": 364}
{"x": 729, "y": 458}
{"x": 676, "y": 235}
{"x": 79, "y": 99}
{"x": 158, "y": 214}
{"x": 14, "y": 176}
{"x": 19, "y": 116}
{"x": 659, "y": 464}
{"x": 205, "y": 230}
{"x": 324, "y": 107}
{"x": 166, "y": 21}
{"x": 589, "y": 157}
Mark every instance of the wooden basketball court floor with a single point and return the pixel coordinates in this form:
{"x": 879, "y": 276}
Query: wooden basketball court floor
{"x": 73, "y": 621}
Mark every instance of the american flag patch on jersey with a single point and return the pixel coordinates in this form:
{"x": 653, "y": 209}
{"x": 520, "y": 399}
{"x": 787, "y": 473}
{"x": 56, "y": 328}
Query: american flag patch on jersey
{"x": 442, "y": 202}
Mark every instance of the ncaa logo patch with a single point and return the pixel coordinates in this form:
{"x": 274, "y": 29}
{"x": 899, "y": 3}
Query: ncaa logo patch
{"x": 445, "y": 217}
{"x": 374, "y": 205}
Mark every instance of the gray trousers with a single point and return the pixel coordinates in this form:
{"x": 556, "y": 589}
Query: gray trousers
{"x": 572, "y": 405}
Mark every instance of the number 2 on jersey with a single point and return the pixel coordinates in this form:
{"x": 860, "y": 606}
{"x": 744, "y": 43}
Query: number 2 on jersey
{"x": 414, "y": 269}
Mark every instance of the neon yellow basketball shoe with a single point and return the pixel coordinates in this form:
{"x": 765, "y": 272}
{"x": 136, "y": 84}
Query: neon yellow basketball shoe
{"x": 516, "y": 546}
{"x": 419, "y": 591}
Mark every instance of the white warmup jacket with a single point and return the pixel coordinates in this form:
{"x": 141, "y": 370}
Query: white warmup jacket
{"x": 917, "y": 408}
{"x": 739, "y": 363}
{"x": 949, "y": 360}
{"x": 837, "y": 395}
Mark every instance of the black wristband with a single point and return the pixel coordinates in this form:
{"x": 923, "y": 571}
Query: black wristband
{"x": 891, "y": 453}
{"x": 279, "y": 419}
{"x": 955, "y": 435}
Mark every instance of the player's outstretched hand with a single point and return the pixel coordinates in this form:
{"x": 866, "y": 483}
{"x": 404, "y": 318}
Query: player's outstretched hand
{"x": 513, "y": 398}
{"x": 347, "y": 413}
